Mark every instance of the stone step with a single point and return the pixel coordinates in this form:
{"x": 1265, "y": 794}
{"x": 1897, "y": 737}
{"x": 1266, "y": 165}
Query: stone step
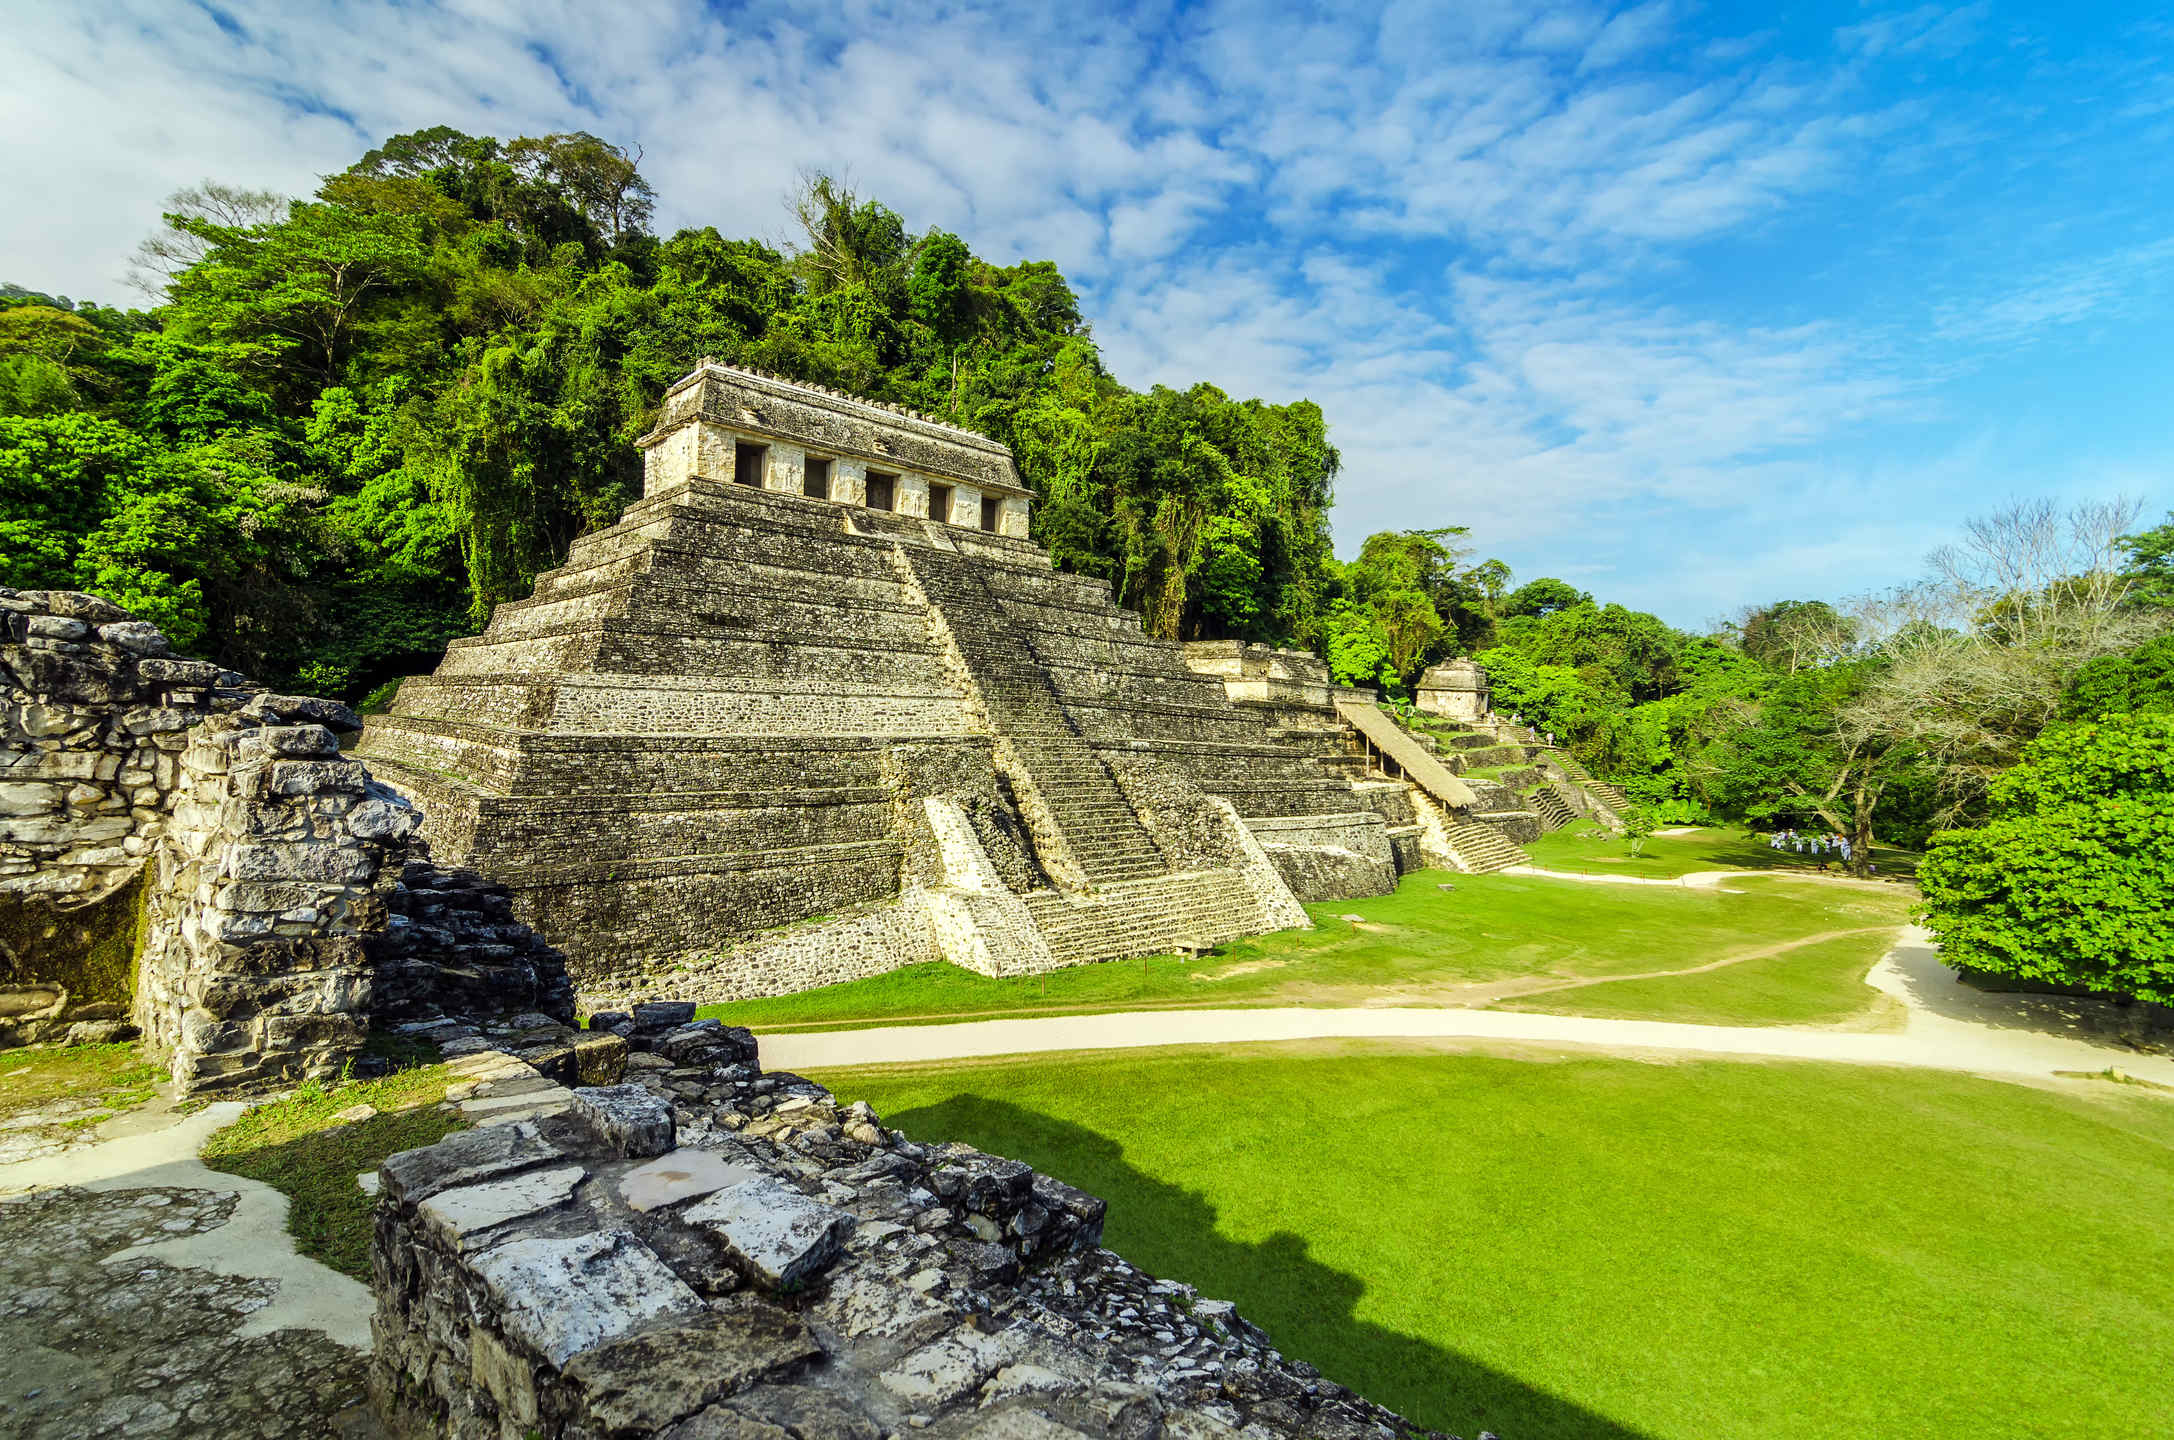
{"x": 1098, "y": 826}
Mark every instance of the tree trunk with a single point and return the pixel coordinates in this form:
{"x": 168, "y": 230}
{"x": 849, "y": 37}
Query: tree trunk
{"x": 1860, "y": 837}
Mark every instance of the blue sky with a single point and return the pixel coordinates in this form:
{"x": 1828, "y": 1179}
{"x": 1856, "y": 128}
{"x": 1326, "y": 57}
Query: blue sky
{"x": 1696, "y": 306}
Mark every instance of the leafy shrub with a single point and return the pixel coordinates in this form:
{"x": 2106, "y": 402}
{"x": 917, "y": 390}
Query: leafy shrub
{"x": 2071, "y": 880}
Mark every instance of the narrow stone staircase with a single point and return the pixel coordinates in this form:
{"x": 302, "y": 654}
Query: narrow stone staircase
{"x": 1551, "y": 805}
{"x": 1479, "y": 848}
{"x": 1095, "y": 820}
{"x": 1608, "y": 795}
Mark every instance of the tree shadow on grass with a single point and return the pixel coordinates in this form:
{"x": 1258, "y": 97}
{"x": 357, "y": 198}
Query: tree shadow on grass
{"x": 1307, "y": 1308}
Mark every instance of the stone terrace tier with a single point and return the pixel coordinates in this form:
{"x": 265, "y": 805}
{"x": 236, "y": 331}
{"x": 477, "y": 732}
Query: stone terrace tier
{"x": 744, "y": 707}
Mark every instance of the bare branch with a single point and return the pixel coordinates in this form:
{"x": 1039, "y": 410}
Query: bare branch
{"x": 164, "y": 255}
{"x": 1979, "y": 655}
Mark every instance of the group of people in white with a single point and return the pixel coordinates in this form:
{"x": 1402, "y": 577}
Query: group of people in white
{"x": 1819, "y": 846}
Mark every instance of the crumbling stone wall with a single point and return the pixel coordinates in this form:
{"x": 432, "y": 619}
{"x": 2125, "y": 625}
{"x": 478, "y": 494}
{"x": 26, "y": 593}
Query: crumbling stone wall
{"x": 272, "y": 868}
{"x": 451, "y": 947}
{"x": 181, "y": 848}
{"x": 710, "y": 1251}
{"x": 94, "y": 714}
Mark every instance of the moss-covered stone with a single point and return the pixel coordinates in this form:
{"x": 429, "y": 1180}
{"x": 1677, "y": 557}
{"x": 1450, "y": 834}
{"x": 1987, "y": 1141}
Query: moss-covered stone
{"x": 90, "y": 949}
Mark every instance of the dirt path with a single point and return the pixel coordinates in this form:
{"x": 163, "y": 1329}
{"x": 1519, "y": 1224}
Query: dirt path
{"x": 1989, "y": 1035}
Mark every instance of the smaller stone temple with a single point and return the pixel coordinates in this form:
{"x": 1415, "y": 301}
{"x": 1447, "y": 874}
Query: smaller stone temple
{"x": 1455, "y": 690}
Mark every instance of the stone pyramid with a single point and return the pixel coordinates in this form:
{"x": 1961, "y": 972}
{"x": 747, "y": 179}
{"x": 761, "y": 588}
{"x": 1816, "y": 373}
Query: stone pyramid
{"x": 816, "y": 707}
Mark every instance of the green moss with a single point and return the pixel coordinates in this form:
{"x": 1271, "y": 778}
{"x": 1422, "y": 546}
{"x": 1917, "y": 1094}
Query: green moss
{"x": 92, "y": 950}
{"x": 114, "y": 1077}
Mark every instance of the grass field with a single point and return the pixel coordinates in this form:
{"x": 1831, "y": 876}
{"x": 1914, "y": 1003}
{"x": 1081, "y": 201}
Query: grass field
{"x": 1593, "y": 1249}
{"x": 1818, "y": 984}
{"x": 1431, "y": 943}
{"x": 295, "y": 1146}
{"x": 1588, "y": 848}
{"x": 99, "y": 1081}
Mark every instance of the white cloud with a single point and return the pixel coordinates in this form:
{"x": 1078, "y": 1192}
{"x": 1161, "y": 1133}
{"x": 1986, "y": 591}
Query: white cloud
{"x": 2031, "y": 306}
{"x": 1445, "y": 224}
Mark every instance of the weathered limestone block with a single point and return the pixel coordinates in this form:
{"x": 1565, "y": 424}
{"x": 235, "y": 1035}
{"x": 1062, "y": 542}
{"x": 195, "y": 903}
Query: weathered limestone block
{"x": 803, "y": 1272}
{"x": 777, "y": 1235}
{"x": 626, "y": 1119}
{"x": 562, "y": 1297}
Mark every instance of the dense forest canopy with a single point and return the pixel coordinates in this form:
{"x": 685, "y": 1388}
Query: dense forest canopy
{"x": 354, "y": 423}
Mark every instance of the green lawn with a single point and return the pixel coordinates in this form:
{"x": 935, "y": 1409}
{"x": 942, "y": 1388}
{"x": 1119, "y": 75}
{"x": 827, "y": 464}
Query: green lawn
{"x": 101, "y": 1080}
{"x": 1565, "y": 1248}
{"x": 1426, "y": 944}
{"x": 296, "y": 1147}
{"x": 1822, "y": 983}
{"x": 1587, "y": 847}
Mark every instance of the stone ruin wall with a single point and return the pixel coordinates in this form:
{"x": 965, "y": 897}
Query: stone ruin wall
{"x": 94, "y": 715}
{"x": 186, "y": 854}
{"x": 706, "y": 1251}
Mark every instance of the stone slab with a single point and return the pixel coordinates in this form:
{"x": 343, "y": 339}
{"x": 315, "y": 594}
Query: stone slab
{"x": 944, "y": 1370}
{"x": 564, "y": 1296}
{"x": 640, "y": 1384}
{"x": 462, "y": 1215}
{"x": 465, "y": 1158}
{"x": 627, "y": 1118}
{"x": 681, "y": 1175}
{"x": 777, "y": 1233}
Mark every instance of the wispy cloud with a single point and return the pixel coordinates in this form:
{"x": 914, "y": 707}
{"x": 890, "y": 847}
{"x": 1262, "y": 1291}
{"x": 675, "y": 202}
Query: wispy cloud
{"x": 1610, "y": 282}
{"x": 2035, "y": 305}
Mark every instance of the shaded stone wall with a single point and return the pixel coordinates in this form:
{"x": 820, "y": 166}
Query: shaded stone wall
{"x": 181, "y": 849}
{"x": 710, "y": 1251}
{"x": 94, "y": 710}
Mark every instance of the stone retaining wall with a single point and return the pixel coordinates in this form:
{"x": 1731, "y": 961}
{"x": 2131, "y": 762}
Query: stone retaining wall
{"x": 708, "y": 1251}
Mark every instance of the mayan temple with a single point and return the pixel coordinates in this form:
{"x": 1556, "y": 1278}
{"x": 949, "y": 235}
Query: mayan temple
{"x": 816, "y": 707}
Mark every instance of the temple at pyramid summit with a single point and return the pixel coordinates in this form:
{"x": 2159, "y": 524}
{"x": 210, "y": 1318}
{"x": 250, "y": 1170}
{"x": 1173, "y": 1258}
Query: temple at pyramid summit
{"x": 817, "y": 707}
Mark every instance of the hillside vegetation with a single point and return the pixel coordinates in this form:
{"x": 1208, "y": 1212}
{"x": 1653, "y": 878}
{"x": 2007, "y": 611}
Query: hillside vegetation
{"x": 354, "y": 423}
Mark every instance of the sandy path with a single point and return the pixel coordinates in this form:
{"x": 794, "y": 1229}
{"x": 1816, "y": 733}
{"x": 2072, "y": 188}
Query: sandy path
{"x": 1948, "y": 1028}
{"x": 146, "y": 1149}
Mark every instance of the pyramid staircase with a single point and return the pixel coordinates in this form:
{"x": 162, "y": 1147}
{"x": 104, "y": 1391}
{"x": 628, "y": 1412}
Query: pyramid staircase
{"x": 1479, "y": 848}
{"x": 1610, "y": 796}
{"x": 1553, "y": 807}
{"x": 1093, "y": 821}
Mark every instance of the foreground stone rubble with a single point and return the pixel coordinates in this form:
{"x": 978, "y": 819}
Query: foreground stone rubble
{"x": 704, "y": 1251}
